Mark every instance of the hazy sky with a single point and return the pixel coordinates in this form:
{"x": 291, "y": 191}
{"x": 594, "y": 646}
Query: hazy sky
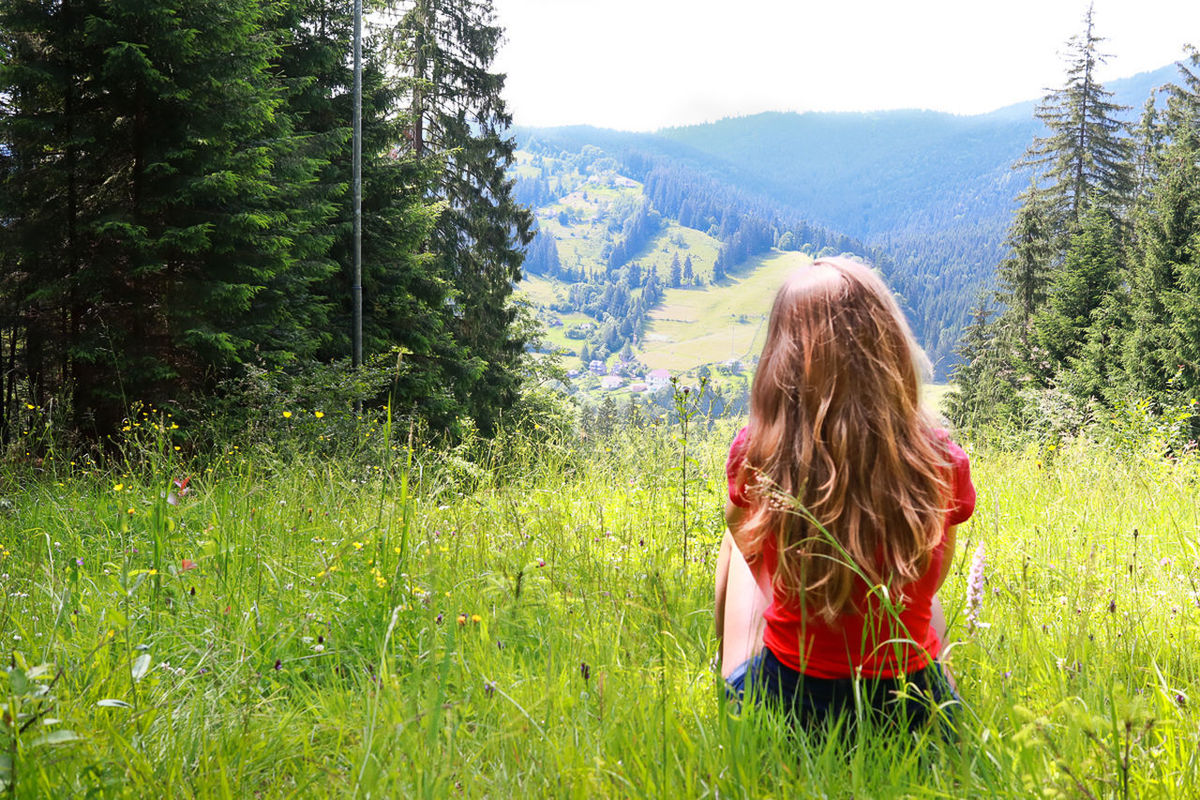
{"x": 645, "y": 64}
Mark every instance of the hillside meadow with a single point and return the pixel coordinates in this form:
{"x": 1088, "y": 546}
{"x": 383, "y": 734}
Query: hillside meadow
{"x": 533, "y": 617}
{"x": 692, "y": 326}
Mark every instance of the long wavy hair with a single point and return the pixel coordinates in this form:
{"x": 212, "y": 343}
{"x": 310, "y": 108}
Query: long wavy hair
{"x": 837, "y": 426}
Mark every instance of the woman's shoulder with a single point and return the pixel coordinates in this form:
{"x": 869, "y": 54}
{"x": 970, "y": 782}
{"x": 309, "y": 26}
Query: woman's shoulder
{"x": 733, "y": 467}
{"x": 737, "y": 452}
{"x": 962, "y": 489}
{"x": 740, "y": 441}
{"x": 954, "y": 453}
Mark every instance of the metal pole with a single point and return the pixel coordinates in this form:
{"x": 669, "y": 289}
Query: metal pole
{"x": 356, "y": 167}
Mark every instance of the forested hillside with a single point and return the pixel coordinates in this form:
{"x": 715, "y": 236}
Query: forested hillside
{"x": 640, "y": 264}
{"x": 1097, "y": 310}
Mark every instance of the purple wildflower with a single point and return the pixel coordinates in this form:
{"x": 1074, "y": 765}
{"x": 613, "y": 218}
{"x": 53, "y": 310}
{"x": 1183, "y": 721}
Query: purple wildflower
{"x": 975, "y": 588}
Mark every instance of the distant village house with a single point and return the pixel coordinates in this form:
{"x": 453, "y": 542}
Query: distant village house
{"x": 658, "y": 379}
{"x": 610, "y": 382}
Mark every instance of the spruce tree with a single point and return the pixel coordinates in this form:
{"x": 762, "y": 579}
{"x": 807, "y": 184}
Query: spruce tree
{"x": 404, "y": 302}
{"x": 457, "y": 117}
{"x": 152, "y": 166}
{"x": 1023, "y": 276}
{"x": 1062, "y": 271}
{"x": 1097, "y": 373}
{"x": 1164, "y": 336}
{"x": 986, "y": 382}
{"x": 1088, "y": 276}
{"x": 1147, "y": 141}
{"x": 1086, "y": 154}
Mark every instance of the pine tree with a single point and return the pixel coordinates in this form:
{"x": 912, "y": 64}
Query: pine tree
{"x": 1164, "y": 335}
{"x": 676, "y": 273}
{"x": 689, "y": 275}
{"x": 1088, "y": 276}
{"x": 458, "y": 117}
{"x": 1086, "y": 156}
{"x": 1022, "y": 278}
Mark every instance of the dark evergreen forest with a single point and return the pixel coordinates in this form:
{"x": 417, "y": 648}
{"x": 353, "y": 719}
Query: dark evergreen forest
{"x": 176, "y": 207}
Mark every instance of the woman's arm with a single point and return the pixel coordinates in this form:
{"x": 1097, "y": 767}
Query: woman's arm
{"x": 947, "y": 554}
{"x": 734, "y": 514}
{"x": 735, "y": 517}
{"x": 937, "y": 615}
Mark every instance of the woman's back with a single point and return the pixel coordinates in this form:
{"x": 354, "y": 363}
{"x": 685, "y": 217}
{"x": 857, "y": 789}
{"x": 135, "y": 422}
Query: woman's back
{"x": 870, "y": 639}
{"x": 843, "y": 493}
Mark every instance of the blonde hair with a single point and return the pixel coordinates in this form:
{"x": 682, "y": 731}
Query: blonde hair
{"x": 837, "y": 425}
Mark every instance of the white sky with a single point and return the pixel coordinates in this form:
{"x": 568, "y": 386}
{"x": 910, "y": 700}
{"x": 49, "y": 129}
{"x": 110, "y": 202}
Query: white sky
{"x": 646, "y": 64}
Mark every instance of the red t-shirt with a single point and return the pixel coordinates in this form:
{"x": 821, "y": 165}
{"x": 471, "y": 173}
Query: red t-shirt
{"x": 869, "y": 642}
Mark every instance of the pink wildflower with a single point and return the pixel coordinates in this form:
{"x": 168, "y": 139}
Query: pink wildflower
{"x": 975, "y": 588}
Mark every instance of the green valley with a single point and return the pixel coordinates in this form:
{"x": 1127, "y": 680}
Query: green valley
{"x": 623, "y": 289}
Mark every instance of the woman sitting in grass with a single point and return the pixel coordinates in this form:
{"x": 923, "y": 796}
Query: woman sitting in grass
{"x": 843, "y": 497}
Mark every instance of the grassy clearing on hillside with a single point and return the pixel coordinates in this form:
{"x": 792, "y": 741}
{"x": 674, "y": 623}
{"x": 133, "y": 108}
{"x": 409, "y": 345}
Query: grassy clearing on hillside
{"x": 581, "y": 241}
{"x": 715, "y": 323}
{"x": 440, "y": 627}
{"x": 674, "y": 240}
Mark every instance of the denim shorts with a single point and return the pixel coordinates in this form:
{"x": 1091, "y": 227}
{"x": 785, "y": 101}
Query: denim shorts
{"x": 910, "y": 702}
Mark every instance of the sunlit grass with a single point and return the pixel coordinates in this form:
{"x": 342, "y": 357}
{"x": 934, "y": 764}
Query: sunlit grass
{"x": 387, "y": 627}
{"x": 692, "y": 326}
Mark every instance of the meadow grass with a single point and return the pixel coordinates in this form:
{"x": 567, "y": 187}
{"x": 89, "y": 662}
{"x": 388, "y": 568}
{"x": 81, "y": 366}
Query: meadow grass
{"x": 413, "y": 623}
{"x": 711, "y": 324}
